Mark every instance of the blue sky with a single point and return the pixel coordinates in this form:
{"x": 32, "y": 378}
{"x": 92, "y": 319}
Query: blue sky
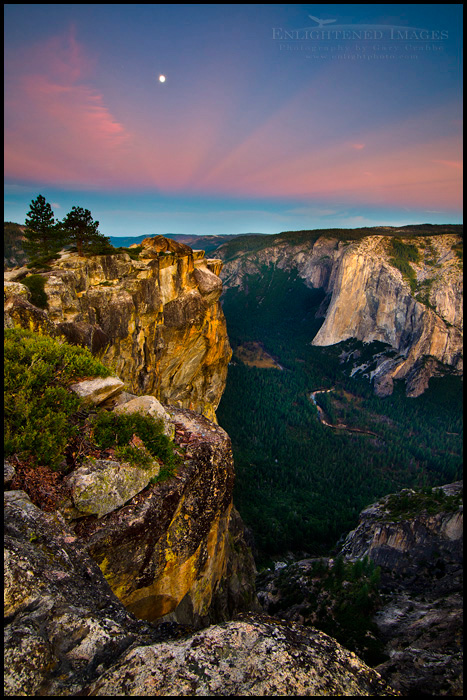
{"x": 268, "y": 119}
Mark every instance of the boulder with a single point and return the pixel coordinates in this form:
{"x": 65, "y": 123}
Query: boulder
{"x": 84, "y": 334}
{"x": 101, "y": 486}
{"x": 8, "y": 474}
{"x": 96, "y": 391}
{"x": 209, "y": 284}
{"x": 148, "y": 406}
{"x": 247, "y": 657}
{"x": 19, "y": 312}
{"x": 63, "y": 625}
{"x": 15, "y": 289}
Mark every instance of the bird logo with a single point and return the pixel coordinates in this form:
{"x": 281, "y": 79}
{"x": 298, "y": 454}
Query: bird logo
{"x": 321, "y": 22}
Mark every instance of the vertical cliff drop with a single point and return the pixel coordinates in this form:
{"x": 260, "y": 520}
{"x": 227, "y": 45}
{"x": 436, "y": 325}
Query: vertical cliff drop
{"x": 156, "y": 319}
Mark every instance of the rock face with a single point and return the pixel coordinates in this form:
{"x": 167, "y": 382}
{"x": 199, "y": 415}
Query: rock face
{"x": 400, "y": 541}
{"x": 67, "y": 634}
{"x": 368, "y": 298}
{"x": 251, "y": 657}
{"x": 175, "y": 550}
{"x": 420, "y": 554}
{"x": 372, "y": 301}
{"x": 62, "y": 619}
{"x": 157, "y": 319}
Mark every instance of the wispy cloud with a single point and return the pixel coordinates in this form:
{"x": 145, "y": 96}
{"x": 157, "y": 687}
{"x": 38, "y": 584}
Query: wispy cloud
{"x": 58, "y": 127}
{"x": 457, "y": 164}
{"x": 61, "y": 128}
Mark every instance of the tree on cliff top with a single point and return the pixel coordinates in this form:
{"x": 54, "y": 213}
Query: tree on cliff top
{"x": 80, "y": 229}
{"x": 42, "y": 233}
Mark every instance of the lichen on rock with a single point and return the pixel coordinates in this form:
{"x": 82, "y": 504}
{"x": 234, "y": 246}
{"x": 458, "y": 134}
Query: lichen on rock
{"x": 100, "y": 486}
{"x": 254, "y": 656}
{"x": 167, "y": 552}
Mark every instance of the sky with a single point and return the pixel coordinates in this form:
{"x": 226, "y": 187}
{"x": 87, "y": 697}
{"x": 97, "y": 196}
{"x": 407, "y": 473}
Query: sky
{"x": 271, "y": 117}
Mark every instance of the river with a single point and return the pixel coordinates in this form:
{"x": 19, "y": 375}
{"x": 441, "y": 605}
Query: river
{"x": 323, "y": 418}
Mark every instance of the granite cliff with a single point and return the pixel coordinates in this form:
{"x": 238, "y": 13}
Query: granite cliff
{"x": 414, "y": 636}
{"x": 156, "y": 317}
{"x": 368, "y": 298}
{"x": 67, "y": 634}
{"x": 175, "y": 550}
{"x": 417, "y": 540}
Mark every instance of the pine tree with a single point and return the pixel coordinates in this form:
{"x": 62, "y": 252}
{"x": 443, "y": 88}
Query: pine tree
{"x": 42, "y": 234}
{"x": 80, "y": 229}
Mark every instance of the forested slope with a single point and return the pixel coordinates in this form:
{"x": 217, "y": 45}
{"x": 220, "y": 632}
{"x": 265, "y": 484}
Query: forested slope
{"x": 300, "y": 485}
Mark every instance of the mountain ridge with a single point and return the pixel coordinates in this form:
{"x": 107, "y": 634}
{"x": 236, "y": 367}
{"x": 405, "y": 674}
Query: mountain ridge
{"x": 373, "y": 292}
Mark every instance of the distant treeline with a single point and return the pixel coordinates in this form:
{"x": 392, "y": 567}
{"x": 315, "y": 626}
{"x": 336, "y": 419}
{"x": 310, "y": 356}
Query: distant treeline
{"x": 229, "y": 245}
{"x": 254, "y": 243}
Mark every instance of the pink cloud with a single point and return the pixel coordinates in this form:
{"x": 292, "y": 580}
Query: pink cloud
{"x": 59, "y": 129}
{"x": 457, "y": 164}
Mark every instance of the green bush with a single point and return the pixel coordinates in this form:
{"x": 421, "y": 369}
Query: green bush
{"x": 39, "y": 407}
{"x": 36, "y": 284}
{"x": 137, "y": 456}
{"x": 132, "y": 252}
{"x": 402, "y": 255}
{"x": 116, "y": 431}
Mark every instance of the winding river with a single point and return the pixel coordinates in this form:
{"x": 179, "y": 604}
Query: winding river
{"x": 323, "y": 418}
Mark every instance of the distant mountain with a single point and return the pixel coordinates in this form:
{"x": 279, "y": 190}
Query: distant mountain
{"x": 253, "y": 243}
{"x": 397, "y": 285}
{"x": 206, "y": 243}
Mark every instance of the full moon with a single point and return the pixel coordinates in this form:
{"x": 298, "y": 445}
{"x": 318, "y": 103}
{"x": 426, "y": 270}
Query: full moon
{"x": 162, "y": 78}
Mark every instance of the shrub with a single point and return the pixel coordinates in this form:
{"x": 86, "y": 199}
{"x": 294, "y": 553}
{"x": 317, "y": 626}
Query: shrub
{"x": 132, "y": 252}
{"x": 402, "y": 255}
{"x": 39, "y": 407}
{"x": 409, "y": 504}
{"x": 36, "y": 284}
{"x": 137, "y": 456}
{"x": 116, "y": 431}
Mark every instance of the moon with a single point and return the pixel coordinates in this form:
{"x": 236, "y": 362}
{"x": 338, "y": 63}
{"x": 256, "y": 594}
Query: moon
{"x": 162, "y": 78}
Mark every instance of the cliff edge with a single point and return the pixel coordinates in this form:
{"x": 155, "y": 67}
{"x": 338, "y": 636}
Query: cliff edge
{"x": 155, "y": 317}
{"x": 67, "y": 634}
{"x": 395, "y": 287}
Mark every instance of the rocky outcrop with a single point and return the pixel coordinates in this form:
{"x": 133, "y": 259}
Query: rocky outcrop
{"x": 251, "y": 657}
{"x": 67, "y": 634}
{"x": 169, "y": 551}
{"x": 410, "y": 628}
{"x": 417, "y": 542}
{"x": 18, "y": 310}
{"x": 62, "y": 620}
{"x": 408, "y": 533}
{"x": 156, "y": 319}
{"x": 367, "y": 297}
